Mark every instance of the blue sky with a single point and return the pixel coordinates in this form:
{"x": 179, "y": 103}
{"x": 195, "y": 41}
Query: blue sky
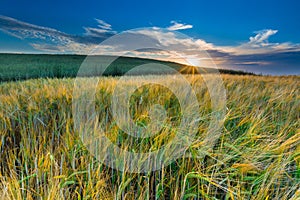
{"x": 259, "y": 36}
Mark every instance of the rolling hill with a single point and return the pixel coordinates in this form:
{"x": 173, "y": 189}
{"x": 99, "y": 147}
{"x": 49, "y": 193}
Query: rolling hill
{"x": 28, "y": 66}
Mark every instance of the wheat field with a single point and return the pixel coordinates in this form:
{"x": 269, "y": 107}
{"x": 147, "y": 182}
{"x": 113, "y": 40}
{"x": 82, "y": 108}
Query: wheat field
{"x": 256, "y": 157}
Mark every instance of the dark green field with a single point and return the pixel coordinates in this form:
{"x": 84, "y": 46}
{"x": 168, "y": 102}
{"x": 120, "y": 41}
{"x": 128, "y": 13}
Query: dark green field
{"x": 27, "y": 66}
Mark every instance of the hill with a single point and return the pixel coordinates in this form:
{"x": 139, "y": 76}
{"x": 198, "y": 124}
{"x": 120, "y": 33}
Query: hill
{"x": 27, "y": 66}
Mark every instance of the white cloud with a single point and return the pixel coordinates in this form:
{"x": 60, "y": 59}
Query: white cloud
{"x": 259, "y": 44}
{"x": 49, "y": 39}
{"x": 179, "y": 26}
{"x": 172, "y": 40}
{"x": 103, "y": 25}
{"x": 262, "y": 36}
{"x": 24, "y": 30}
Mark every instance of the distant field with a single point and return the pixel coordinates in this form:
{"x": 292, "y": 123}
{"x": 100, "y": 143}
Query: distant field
{"x": 28, "y": 66}
{"x": 257, "y": 156}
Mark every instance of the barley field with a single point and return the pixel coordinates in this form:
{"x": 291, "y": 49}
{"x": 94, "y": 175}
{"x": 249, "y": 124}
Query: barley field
{"x": 256, "y": 157}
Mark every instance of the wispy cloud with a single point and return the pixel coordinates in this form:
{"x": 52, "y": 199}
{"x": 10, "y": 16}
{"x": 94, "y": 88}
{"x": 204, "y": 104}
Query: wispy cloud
{"x": 179, "y": 26}
{"x": 23, "y": 30}
{"x": 261, "y": 37}
{"x": 259, "y": 44}
{"x": 49, "y": 39}
{"x": 103, "y": 25}
{"x": 103, "y": 29}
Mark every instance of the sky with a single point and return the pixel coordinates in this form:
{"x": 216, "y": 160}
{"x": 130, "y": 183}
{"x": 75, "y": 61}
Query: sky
{"x": 255, "y": 36}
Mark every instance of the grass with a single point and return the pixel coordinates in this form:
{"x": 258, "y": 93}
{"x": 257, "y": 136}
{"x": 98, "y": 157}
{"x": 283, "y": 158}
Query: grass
{"x": 257, "y": 156}
{"x": 14, "y": 67}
